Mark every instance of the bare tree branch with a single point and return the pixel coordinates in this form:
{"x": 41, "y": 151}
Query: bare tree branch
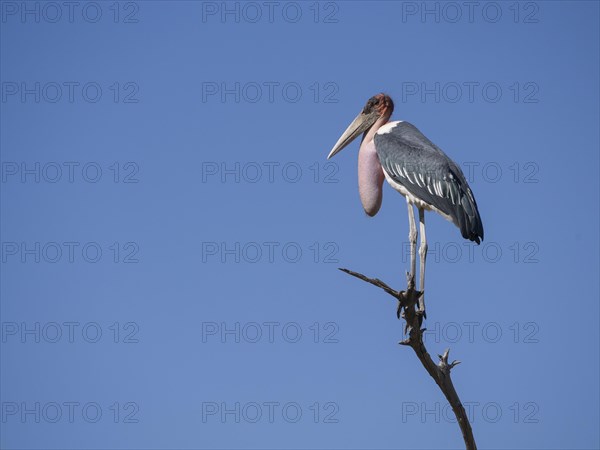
{"x": 407, "y": 309}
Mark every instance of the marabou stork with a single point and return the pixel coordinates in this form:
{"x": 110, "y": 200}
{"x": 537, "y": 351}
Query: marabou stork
{"x": 415, "y": 167}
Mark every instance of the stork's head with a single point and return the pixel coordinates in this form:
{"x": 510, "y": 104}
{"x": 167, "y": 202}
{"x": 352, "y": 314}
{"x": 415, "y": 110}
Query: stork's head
{"x": 379, "y": 108}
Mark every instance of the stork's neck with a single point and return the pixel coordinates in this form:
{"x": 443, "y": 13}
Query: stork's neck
{"x": 370, "y": 133}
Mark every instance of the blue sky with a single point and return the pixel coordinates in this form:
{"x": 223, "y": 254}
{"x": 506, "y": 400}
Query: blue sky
{"x": 171, "y": 228}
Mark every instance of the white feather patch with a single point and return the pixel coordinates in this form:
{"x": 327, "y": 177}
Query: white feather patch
{"x": 388, "y": 127}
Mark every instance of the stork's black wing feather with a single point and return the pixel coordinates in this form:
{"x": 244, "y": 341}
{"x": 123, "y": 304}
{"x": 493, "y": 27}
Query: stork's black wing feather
{"x": 426, "y": 172}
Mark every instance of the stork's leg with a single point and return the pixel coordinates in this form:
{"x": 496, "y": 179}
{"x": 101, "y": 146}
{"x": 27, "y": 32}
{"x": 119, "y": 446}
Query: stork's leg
{"x": 422, "y": 258}
{"x": 412, "y": 239}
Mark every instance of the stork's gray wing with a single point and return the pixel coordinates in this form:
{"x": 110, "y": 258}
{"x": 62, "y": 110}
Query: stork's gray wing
{"x": 426, "y": 172}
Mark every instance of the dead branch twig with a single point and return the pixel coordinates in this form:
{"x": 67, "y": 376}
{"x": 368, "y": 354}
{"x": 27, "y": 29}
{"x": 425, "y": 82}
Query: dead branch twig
{"x": 440, "y": 372}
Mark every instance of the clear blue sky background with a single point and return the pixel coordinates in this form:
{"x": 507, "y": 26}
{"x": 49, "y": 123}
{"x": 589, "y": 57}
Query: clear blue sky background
{"x": 521, "y": 311}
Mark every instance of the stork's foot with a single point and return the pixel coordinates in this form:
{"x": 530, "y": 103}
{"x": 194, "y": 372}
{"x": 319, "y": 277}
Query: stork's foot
{"x": 408, "y": 306}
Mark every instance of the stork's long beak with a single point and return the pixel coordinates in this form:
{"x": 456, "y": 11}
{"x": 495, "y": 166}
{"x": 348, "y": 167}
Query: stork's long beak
{"x": 358, "y": 126}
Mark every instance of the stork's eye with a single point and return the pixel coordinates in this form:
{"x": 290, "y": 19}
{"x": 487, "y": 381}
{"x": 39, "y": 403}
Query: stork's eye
{"x": 371, "y": 104}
